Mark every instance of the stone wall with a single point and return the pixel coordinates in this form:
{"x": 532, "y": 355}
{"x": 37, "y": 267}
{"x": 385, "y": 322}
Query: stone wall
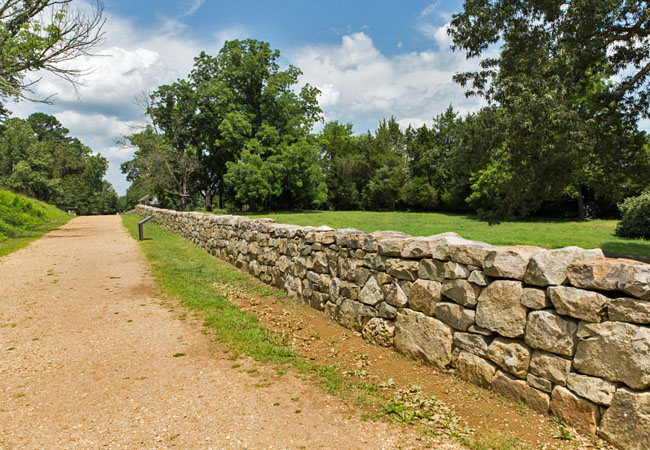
{"x": 566, "y": 331}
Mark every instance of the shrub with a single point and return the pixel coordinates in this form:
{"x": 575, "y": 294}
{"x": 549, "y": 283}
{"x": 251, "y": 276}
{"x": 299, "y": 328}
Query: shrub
{"x": 635, "y": 212}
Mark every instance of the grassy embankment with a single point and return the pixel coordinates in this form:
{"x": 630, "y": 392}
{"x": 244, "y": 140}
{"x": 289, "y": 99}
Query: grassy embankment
{"x": 194, "y": 277}
{"x": 549, "y": 234}
{"x": 23, "y": 220}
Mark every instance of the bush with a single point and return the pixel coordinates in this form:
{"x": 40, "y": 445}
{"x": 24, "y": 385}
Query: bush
{"x": 635, "y": 212}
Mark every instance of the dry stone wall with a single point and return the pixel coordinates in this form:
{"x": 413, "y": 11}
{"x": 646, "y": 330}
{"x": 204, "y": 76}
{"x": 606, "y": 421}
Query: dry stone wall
{"x": 566, "y": 331}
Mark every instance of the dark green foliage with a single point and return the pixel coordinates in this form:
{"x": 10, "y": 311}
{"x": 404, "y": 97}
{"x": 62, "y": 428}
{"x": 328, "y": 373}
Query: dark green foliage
{"x": 635, "y": 222}
{"x": 39, "y": 159}
{"x": 569, "y": 104}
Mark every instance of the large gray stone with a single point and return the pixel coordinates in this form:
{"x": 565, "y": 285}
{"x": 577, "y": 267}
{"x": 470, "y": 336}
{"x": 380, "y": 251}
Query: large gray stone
{"x": 539, "y": 383}
{"x": 626, "y": 423}
{"x": 548, "y": 268}
{"x": 424, "y": 295}
{"x": 511, "y": 355}
{"x": 471, "y": 253}
{"x": 602, "y": 274}
{"x": 441, "y": 244}
{"x": 372, "y": 293}
{"x": 401, "y": 269}
{"x": 595, "y": 389}
{"x": 499, "y": 309}
{"x": 535, "y": 299}
{"x": 635, "y": 281}
{"x": 391, "y": 246}
{"x": 472, "y": 343}
{"x": 616, "y": 351}
{"x": 548, "y": 331}
{"x": 355, "y": 315}
{"x": 355, "y": 239}
{"x": 454, "y": 315}
{"x": 380, "y": 332}
{"x": 473, "y": 368}
{"x": 423, "y": 337}
{"x": 550, "y": 367}
{"x": 478, "y": 278}
{"x": 395, "y": 296}
{"x": 629, "y": 310}
{"x": 579, "y": 303}
{"x": 461, "y": 291}
{"x": 509, "y": 262}
{"x": 454, "y": 271}
{"x": 519, "y": 390}
{"x": 431, "y": 269}
{"x": 417, "y": 247}
{"x": 577, "y": 411}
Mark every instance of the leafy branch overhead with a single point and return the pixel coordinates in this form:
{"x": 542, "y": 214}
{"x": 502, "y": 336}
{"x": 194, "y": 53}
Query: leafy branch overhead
{"x": 44, "y": 35}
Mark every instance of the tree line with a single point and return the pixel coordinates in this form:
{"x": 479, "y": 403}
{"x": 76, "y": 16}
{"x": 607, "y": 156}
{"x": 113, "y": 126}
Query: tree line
{"x": 38, "y": 158}
{"x": 559, "y": 137}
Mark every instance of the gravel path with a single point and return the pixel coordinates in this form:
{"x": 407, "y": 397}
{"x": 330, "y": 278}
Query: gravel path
{"x": 90, "y": 358}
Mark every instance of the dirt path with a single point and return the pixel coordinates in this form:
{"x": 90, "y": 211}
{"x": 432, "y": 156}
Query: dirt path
{"x": 90, "y": 358}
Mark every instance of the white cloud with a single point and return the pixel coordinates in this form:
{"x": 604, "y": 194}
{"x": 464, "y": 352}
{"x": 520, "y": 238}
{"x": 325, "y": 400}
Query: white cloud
{"x": 196, "y": 5}
{"x": 430, "y": 9}
{"x": 361, "y": 85}
{"x": 232, "y": 33}
{"x": 132, "y": 60}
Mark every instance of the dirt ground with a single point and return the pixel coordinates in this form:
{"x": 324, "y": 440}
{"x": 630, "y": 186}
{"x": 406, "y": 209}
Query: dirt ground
{"x": 90, "y": 358}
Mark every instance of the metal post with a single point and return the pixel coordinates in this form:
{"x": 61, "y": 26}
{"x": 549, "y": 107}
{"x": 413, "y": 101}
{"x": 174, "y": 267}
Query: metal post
{"x": 141, "y": 227}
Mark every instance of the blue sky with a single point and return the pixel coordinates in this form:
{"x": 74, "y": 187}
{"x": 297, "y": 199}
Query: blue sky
{"x": 371, "y": 60}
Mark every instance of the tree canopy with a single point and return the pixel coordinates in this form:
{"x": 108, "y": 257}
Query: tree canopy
{"x": 572, "y": 80}
{"x": 39, "y": 158}
{"x": 239, "y": 113}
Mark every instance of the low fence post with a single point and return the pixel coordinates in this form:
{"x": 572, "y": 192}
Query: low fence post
{"x": 141, "y": 226}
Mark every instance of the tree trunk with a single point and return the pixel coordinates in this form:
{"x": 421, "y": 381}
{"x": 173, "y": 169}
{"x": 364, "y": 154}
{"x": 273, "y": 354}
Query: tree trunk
{"x": 208, "y": 198}
{"x": 582, "y": 211}
{"x": 220, "y": 197}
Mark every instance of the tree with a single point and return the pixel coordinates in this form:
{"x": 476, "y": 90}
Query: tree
{"x": 43, "y": 35}
{"x": 344, "y": 164}
{"x": 242, "y": 95}
{"x": 237, "y": 111}
{"x": 161, "y": 166}
{"x": 40, "y": 159}
{"x": 565, "y": 116}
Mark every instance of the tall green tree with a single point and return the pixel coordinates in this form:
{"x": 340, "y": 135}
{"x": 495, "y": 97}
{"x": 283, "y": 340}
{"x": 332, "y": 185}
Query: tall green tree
{"x": 160, "y": 167}
{"x": 572, "y": 80}
{"x": 242, "y": 95}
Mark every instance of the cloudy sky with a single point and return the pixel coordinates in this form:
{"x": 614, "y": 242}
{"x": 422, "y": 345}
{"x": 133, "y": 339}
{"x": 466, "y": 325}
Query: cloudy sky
{"x": 371, "y": 59}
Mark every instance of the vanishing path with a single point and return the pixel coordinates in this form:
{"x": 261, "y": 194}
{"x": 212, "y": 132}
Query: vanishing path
{"x": 87, "y": 361}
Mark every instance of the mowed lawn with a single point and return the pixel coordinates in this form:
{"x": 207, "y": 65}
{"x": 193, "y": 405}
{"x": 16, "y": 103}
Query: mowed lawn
{"x": 549, "y": 234}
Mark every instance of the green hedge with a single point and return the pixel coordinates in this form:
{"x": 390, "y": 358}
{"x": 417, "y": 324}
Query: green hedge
{"x": 635, "y": 222}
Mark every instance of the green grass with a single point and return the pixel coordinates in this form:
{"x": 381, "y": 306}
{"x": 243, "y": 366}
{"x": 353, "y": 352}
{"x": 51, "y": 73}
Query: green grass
{"x": 23, "y": 220}
{"x": 549, "y": 234}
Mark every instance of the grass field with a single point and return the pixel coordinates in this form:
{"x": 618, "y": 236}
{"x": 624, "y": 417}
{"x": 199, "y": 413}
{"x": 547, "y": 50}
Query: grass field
{"x": 23, "y": 220}
{"x": 550, "y": 234}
